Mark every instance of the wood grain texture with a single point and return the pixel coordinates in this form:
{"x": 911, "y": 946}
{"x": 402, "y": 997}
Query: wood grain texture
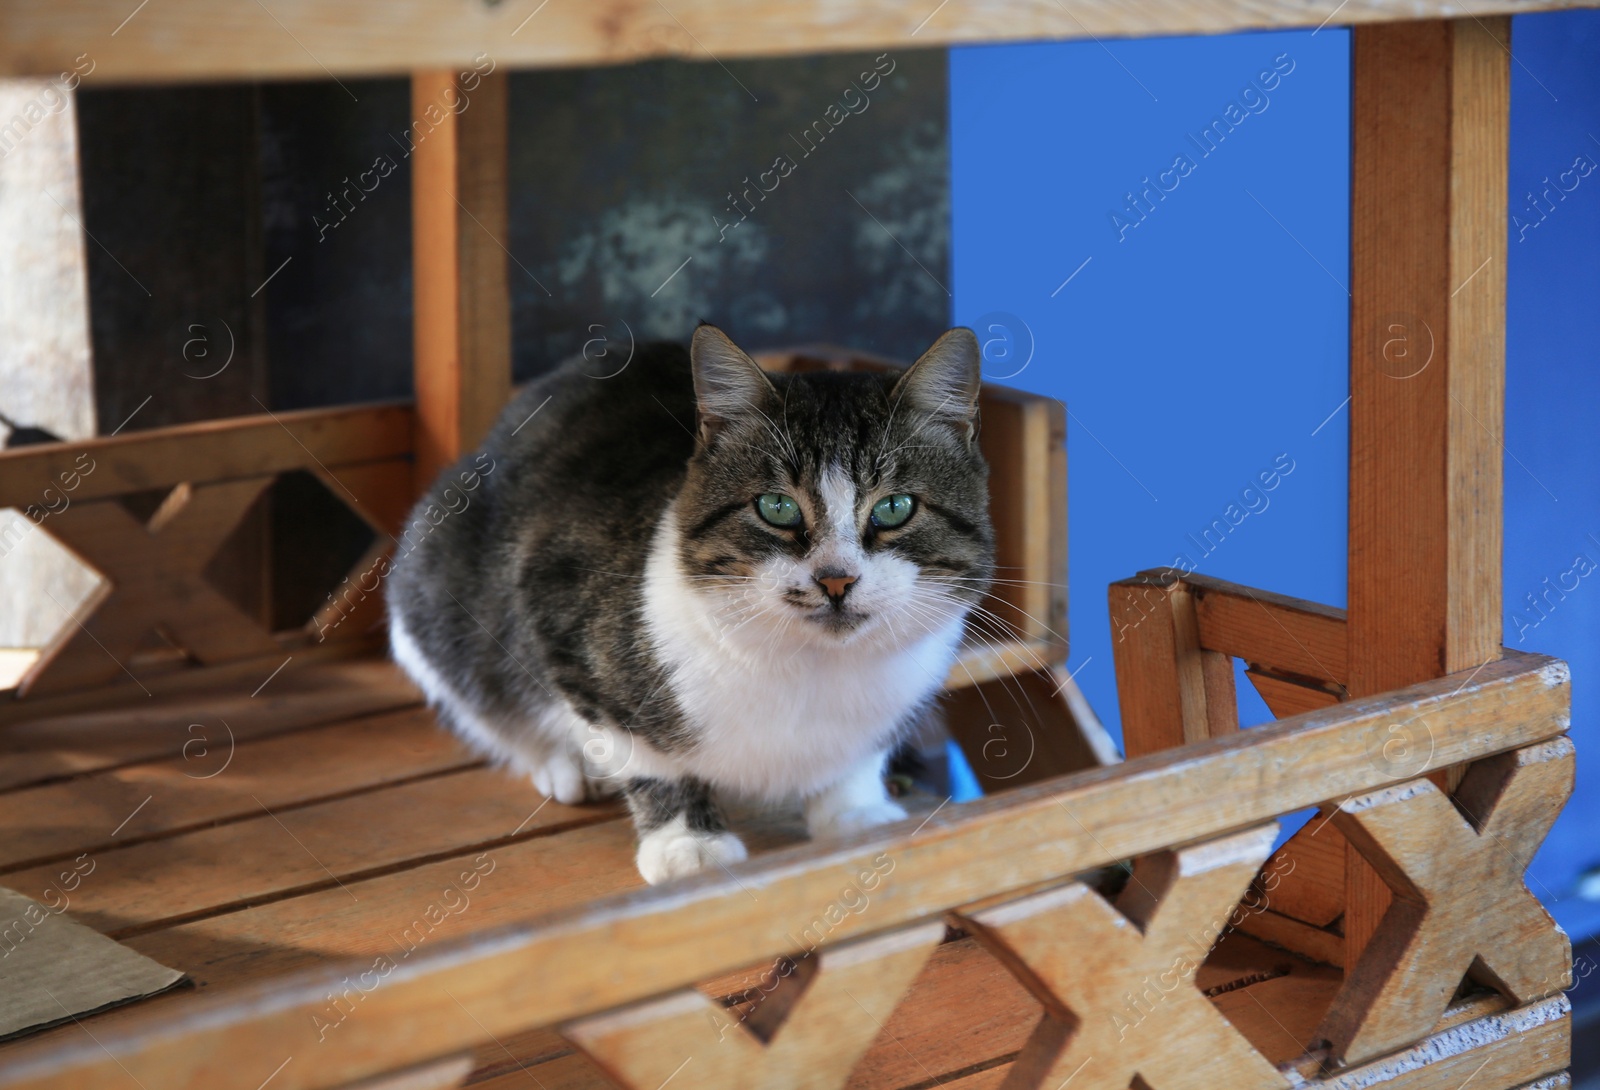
{"x": 1430, "y": 116}
{"x": 155, "y": 575}
{"x": 306, "y": 847}
{"x": 1024, "y": 442}
{"x": 1427, "y": 372}
{"x": 1502, "y": 1048}
{"x": 849, "y": 991}
{"x": 1022, "y": 730}
{"x": 442, "y": 1074}
{"x": 139, "y": 801}
{"x": 214, "y": 450}
{"x": 68, "y": 744}
{"x": 1171, "y": 689}
{"x": 1117, "y": 982}
{"x": 520, "y": 968}
{"x": 1286, "y": 696}
{"x": 1283, "y": 634}
{"x": 194, "y": 40}
{"x": 1456, "y": 873}
{"x": 462, "y": 300}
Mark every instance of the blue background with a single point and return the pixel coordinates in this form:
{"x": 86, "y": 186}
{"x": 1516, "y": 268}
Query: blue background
{"x": 1196, "y": 348}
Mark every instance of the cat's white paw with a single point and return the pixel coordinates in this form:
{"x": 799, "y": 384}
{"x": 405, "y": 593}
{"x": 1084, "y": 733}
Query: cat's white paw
{"x": 854, "y": 819}
{"x": 561, "y": 777}
{"x": 674, "y": 850}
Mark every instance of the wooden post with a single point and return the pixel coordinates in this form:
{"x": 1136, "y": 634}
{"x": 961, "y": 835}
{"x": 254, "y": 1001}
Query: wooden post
{"x": 1170, "y": 689}
{"x": 1430, "y": 116}
{"x": 462, "y": 304}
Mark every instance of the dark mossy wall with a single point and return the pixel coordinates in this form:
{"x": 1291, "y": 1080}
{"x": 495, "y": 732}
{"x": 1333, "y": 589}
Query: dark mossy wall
{"x": 257, "y": 215}
{"x": 809, "y": 197}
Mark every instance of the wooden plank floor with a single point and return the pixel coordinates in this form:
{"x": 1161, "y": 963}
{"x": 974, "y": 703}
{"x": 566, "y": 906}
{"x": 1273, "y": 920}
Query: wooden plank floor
{"x": 332, "y": 819}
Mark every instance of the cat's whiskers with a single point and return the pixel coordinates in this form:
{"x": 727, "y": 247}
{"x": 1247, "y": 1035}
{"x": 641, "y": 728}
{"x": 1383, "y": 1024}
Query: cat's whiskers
{"x": 1006, "y": 680}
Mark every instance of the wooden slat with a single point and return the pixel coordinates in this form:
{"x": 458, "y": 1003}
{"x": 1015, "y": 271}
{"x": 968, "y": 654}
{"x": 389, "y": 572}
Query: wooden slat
{"x": 1078, "y": 954}
{"x": 1291, "y": 934}
{"x": 193, "y": 40}
{"x": 154, "y": 573}
{"x": 1304, "y": 879}
{"x": 600, "y": 955}
{"x": 157, "y": 883}
{"x": 1290, "y": 696}
{"x": 849, "y": 990}
{"x": 75, "y": 743}
{"x": 1024, "y": 442}
{"x": 1283, "y": 634}
{"x": 1461, "y": 902}
{"x": 462, "y": 300}
{"x": 1172, "y": 690}
{"x": 439, "y": 1075}
{"x": 1502, "y": 1049}
{"x": 214, "y": 450}
{"x": 1021, "y": 730}
{"x": 140, "y": 801}
{"x": 1430, "y": 116}
{"x": 181, "y": 680}
{"x": 518, "y": 880}
{"x": 929, "y": 1038}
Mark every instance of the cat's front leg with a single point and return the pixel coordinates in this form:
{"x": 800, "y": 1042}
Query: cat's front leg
{"x": 680, "y": 829}
{"x": 857, "y": 800}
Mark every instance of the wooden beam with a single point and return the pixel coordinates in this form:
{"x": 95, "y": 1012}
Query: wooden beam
{"x": 1427, "y": 348}
{"x": 630, "y": 947}
{"x": 1171, "y": 690}
{"x": 1430, "y": 117}
{"x": 1286, "y": 635}
{"x": 214, "y": 450}
{"x": 461, "y": 299}
{"x": 199, "y": 40}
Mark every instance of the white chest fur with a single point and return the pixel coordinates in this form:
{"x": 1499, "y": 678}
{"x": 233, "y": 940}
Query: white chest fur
{"x": 778, "y": 710}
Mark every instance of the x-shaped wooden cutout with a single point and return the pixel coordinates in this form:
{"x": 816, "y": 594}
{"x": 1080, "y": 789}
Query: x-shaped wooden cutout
{"x": 1459, "y": 898}
{"x": 153, "y": 571}
{"x": 854, "y": 988}
{"x": 1117, "y": 983}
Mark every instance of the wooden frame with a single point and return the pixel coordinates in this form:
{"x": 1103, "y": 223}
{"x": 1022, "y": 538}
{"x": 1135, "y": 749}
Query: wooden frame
{"x": 194, "y": 40}
{"x": 640, "y": 945}
{"x": 1416, "y": 653}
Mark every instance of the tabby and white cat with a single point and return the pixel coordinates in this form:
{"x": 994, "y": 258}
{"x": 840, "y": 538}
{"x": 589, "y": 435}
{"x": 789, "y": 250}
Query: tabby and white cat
{"x": 697, "y": 579}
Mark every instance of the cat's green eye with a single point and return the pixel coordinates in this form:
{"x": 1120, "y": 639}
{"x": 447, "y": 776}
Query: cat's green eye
{"x": 778, "y": 509}
{"x": 892, "y": 511}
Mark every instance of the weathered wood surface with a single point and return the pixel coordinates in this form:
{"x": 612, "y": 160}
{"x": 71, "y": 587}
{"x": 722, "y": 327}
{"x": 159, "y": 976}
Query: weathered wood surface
{"x": 1091, "y": 965}
{"x": 1430, "y": 116}
{"x": 462, "y": 310}
{"x": 592, "y": 956}
{"x": 1172, "y": 689}
{"x": 215, "y": 450}
{"x": 1456, "y": 872}
{"x": 194, "y": 40}
{"x": 849, "y": 990}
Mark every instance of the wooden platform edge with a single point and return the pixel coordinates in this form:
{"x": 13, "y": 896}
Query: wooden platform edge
{"x": 625, "y": 948}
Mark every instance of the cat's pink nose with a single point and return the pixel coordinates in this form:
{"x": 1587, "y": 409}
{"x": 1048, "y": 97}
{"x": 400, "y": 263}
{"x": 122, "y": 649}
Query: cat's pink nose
{"x": 836, "y": 585}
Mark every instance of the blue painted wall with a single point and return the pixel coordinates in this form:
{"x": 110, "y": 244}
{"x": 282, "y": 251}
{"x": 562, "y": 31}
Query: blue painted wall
{"x": 1552, "y": 465}
{"x": 1186, "y": 297}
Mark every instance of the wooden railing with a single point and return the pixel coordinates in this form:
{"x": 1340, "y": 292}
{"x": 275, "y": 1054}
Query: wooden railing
{"x": 617, "y": 975}
{"x": 204, "y": 479}
{"x": 210, "y": 474}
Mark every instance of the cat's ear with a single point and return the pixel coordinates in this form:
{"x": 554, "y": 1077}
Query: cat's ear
{"x": 728, "y": 384}
{"x": 944, "y": 382}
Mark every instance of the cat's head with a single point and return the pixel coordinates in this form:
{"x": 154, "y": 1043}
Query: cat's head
{"x": 836, "y": 508}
